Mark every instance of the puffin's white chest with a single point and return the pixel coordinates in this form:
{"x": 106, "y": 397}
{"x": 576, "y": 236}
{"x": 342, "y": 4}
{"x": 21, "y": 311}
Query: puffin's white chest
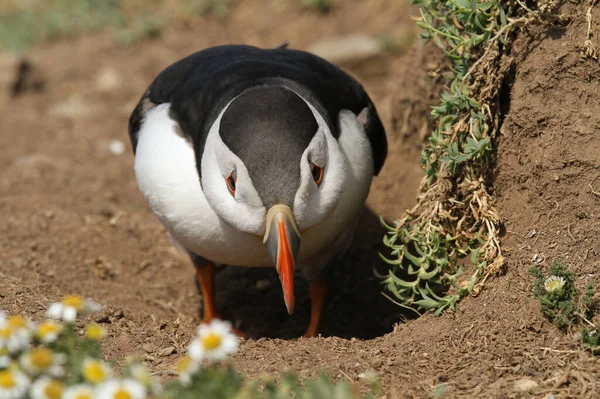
{"x": 166, "y": 173}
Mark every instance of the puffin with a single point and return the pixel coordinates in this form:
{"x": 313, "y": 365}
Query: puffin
{"x": 257, "y": 157}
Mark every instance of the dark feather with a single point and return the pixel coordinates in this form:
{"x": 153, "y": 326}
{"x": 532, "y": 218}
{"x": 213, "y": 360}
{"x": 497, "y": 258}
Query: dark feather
{"x": 201, "y": 84}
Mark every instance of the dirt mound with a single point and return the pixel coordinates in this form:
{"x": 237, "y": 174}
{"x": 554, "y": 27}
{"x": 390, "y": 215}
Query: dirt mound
{"x": 499, "y": 344}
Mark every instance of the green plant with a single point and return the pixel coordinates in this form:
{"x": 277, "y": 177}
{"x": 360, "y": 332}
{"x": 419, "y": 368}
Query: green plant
{"x": 588, "y": 299}
{"x": 30, "y": 23}
{"x": 455, "y": 218}
{"x": 322, "y": 6}
{"x": 225, "y": 383}
{"x": 591, "y": 339}
{"x": 556, "y": 293}
{"x": 27, "y": 25}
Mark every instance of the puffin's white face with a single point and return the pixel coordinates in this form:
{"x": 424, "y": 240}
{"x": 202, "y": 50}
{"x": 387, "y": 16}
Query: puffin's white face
{"x": 230, "y": 190}
{"x": 272, "y": 168}
{"x": 323, "y": 176}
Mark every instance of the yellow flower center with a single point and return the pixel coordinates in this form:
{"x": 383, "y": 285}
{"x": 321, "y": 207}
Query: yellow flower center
{"x": 183, "y": 364}
{"x": 122, "y": 394}
{"x": 53, "y": 390}
{"x": 7, "y": 380}
{"x": 82, "y": 395}
{"x": 211, "y": 341}
{"x": 554, "y": 285}
{"x": 94, "y": 372}
{"x": 95, "y": 332}
{"x": 5, "y": 332}
{"x": 17, "y": 322}
{"x": 41, "y": 358}
{"x": 47, "y": 329}
{"x": 76, "y": 302}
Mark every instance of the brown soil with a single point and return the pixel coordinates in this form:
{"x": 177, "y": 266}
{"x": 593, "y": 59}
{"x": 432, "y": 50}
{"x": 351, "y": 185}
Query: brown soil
{"x": 73, "y": 220}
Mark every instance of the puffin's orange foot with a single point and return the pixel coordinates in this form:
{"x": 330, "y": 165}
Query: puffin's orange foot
{"x": 205, "y": 273}
{"x": 318, "y": 293}
{"x": 311, "y": 332}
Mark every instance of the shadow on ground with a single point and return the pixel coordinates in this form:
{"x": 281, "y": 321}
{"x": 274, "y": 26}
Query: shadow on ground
{"x": 252, "y": 298}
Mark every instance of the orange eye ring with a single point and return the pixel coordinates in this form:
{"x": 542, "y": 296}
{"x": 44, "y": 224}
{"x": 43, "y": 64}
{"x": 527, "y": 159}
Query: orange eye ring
{"x": 230, "y": 181}
{"x": 317, "y": 173}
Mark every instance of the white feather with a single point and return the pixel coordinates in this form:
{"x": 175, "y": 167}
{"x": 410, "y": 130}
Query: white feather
{"x": 166, "y": 173}
{"x": 331, "y": 237}
{"x": 244, "y": 211}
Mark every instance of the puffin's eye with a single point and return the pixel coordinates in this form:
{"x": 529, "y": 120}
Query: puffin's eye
{"x": 317, "y": 173}
{"x": 230, "y": 180}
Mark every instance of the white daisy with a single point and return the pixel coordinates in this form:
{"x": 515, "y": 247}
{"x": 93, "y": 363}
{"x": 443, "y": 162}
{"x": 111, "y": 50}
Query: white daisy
{"x": 48, "y": 331}
{"x": 15, "y": 333}
{"x": 127, "y": 388}
{"x": 80, "y": 391}
{"x": 554, "y": 284}
{"x": 43, "y": 361}
{"x": 46, "y": 388}
{"x": 71, "y": 307}
{"x": 6, "y": 336}
{"x": 186, "y": 367}
{"x": 13, "y": 384}
{"x": 5, "y": 358}
{"x": 96, "y": 371}
{"x": 215, "y": 341}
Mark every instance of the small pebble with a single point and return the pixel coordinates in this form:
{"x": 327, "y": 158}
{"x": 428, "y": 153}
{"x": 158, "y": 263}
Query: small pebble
{"x": 524, "y": 385}
{"x": 116, "y": 147}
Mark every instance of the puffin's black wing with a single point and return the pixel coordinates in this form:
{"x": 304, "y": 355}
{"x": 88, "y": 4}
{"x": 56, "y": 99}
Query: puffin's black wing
{"x": 200, "y": 85}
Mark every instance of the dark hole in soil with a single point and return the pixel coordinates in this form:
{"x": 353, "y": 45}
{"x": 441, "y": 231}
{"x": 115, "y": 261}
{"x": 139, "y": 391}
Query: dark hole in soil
{"x": 252, "y": 298}
{"x": 504, "y": 109}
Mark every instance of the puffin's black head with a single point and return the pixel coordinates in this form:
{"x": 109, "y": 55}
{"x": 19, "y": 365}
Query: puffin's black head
{"x": 271, "y": 168}
{"x": 269, "y": 128}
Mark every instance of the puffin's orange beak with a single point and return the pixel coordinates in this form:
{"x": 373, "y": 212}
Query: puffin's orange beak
{"x": 282, "y": 240}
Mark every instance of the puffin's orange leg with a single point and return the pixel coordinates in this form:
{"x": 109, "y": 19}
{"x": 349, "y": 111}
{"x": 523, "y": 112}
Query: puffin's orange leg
{"x": 206, "y": 278}
{"x": 205, "y": 273}
{"x": 318, "y": 293}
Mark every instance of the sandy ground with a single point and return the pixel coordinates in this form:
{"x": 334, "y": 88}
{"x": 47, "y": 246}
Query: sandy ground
{"x": 73, "y": 220}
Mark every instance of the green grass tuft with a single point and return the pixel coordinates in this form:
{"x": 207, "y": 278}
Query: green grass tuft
{"x": 23, "y": 26}
{"x": 26, "y": 26}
